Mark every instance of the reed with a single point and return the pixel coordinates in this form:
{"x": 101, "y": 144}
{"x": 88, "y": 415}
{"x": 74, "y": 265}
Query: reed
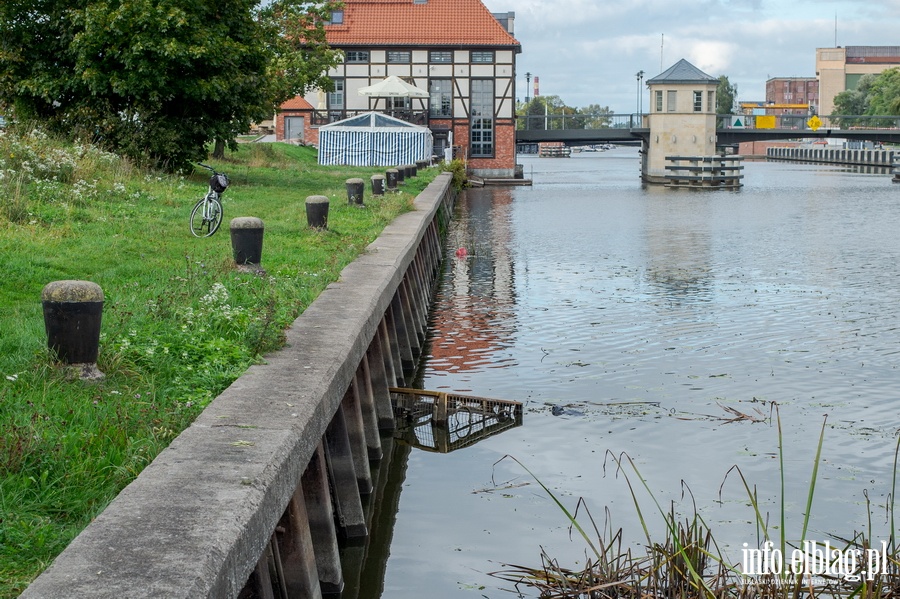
{"x": 687, "y": 562}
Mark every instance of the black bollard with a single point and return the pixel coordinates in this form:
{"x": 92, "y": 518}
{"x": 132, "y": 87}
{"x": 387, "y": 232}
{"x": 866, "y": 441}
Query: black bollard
{"x": 72, "y": 314}
{"x": 401, "y": 173}
{"x": 355, "y": 190}
{"x": 247, "y": 241}
{"x": 393, "y": 178}
{"x": 317, "y": 212}
{"x": 377, "y": 185}
{"x": 412, "y": 170}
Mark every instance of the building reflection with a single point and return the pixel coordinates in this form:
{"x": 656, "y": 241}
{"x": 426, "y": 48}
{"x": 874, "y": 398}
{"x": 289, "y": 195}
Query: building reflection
{"x": 473, "y": 318}
{"x": 678, "y": 252}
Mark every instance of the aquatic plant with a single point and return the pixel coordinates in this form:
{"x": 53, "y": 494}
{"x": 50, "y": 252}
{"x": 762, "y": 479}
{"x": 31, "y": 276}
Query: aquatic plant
{"x": 688, "y": 563}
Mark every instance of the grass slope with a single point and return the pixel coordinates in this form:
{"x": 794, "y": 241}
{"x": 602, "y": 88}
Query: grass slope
{"x": 179, "y": 322}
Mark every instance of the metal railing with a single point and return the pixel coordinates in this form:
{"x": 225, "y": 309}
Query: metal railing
{"x": 569, "y": 122}
{"x": 560, "y": 122}
{"x": 802, "y": 122}
{"x": 325, "y": 117}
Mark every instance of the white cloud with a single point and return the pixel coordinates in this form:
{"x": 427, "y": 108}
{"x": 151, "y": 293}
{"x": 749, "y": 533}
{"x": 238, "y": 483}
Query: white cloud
{"x": 588, "y": 51}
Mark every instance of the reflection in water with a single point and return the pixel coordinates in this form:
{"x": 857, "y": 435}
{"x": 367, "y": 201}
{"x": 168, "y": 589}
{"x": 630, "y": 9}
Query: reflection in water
{"x": 648, "y": 315}
{"x": 479, "y": 294}
{"x": 444, "y": 422}
{"x": 678, "y": 263}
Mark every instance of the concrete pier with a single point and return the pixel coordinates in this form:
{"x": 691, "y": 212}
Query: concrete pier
{"x": 207, "y": 517}
{"x": 883, "y": 158}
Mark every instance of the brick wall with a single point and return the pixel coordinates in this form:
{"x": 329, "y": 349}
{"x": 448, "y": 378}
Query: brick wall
{"x": 310, "y": 134}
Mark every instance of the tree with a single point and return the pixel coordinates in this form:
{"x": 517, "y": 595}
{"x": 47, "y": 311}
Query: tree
{"x": 534, "y": 112}
{"x": 155, "y": 80}
{"x": 596, "y": 116}
{"x": 884, "y": 93}
{"x": 302, "y": 57}
{"x": 726, "y": 93}
{"x": 854, "y": 102}
{"x": 551, "y": 112}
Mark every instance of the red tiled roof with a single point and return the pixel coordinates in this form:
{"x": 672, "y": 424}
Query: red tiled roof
{"x": 430, "y": 23}
{"x": 297, "y": 103}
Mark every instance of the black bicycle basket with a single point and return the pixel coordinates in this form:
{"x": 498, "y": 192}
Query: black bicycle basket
{"x": 219, "y": 182}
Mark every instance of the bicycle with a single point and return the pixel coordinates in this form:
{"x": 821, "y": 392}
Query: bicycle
{"x": 207, "y": 213}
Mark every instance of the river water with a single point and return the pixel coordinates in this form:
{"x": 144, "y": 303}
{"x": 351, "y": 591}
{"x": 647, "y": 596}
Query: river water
{"x": 660, "y": 325}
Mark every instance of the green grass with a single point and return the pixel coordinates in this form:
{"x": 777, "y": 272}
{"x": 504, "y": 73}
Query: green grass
{"x": 179, "y": 322}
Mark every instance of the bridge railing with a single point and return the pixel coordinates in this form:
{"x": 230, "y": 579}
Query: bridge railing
{"x": 803, "y": 122}
{"x": 559, "y": 122}
{"x": 569, "y": 122}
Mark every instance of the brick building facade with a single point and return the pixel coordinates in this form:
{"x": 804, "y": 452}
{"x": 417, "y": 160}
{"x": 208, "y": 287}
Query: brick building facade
{"x": 457, "y": 50}
{"x": 792, "y": 95}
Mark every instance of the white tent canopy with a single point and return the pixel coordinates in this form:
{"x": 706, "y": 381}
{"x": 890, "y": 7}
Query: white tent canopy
{"x": 374, "y": 139}
{"x": 393, "y": 87}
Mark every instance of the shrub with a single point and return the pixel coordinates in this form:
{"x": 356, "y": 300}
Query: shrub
{"x": 458, "y": 168}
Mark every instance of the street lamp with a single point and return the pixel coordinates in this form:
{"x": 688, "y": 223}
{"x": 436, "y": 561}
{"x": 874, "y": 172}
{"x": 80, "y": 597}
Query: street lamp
{"x": 527, "y": 85}
{"x": 640, "y": 77}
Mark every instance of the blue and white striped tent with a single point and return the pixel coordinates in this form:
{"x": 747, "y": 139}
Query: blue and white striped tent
{"x": 373, "y": 139}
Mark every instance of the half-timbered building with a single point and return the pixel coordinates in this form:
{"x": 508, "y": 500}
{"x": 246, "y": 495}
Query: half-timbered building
{"x": 457, "y": 50}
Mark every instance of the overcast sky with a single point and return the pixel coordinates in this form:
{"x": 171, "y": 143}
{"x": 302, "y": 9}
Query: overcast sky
{"x": 589, "y": 51}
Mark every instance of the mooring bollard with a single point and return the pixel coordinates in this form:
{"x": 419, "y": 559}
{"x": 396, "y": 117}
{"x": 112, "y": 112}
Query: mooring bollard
{"x": 72, "y": 314}
{"x": 317, "y": 212}
{"x": 401, "y": 173}
{"x": 393, "y": 178}
{"x": 247, "y": 241}
{"x": 421, "y": 164}
{"x": 412, "y": 170}
{"x": 355, "y": 190}
{"x": 377, "y": 185}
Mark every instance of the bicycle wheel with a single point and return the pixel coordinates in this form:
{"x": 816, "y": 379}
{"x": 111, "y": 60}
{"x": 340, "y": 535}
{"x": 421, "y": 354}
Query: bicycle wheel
{"x": 215, "y": 216}
{"x": 206, "y": 217}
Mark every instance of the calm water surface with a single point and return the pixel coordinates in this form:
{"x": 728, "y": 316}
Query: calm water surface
{"x": 654, "y": 317}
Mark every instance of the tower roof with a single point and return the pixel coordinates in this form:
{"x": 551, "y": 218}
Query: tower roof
{"x": 682, "y": 72}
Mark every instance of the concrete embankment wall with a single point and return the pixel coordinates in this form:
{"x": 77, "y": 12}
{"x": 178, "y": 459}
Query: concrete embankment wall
{"x": 833, "y": 155}
{"x": 271, "y": 474}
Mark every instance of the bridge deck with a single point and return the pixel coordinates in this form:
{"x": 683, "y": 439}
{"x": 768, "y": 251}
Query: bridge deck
{"x": 580, "y": 137}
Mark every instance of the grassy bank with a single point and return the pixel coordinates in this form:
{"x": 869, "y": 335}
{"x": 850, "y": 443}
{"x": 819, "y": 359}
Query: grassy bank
{"x": 179, "y": 322}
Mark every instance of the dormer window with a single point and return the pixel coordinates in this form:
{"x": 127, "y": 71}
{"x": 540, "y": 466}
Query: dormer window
{"x": 337, "y": 18}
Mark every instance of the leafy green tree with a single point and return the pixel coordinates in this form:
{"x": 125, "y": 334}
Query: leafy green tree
{"x": 596, "y": 116}
{"x": 551, "y": 112}
{"x": 726, "y": 94}
{"x": 155, "y": 80}
{"x": 533, "y": 114}
{"x": 884, "y": 93}
{"x": 854, "y": 102}
{"x": 302, "y": 57}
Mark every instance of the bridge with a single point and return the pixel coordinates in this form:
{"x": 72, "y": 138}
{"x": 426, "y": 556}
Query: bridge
{"x": 588, "y": 129}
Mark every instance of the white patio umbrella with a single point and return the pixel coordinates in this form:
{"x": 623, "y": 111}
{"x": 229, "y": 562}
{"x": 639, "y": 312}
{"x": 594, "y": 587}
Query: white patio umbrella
{"x": 393, "y": 87}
